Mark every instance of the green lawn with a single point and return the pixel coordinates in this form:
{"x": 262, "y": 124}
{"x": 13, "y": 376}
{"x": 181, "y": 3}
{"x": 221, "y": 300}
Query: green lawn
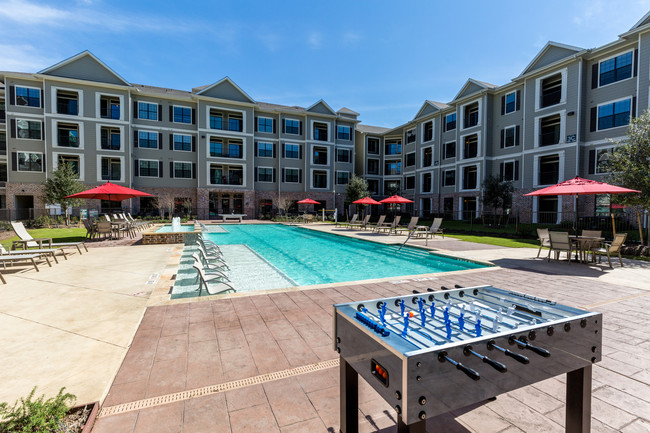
{"x": 502, "y": 242}
{"x": 57, "y": 235}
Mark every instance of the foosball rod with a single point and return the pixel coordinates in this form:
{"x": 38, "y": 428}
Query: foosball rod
{"x": 505, "y": 315}
{"x": 560, "y": 316}
{"x": 399, "y": 328}
{"x": 444, "y": 337}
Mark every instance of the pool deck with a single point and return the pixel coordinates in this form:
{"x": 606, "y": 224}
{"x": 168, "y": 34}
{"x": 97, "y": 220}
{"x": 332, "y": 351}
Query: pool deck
{"x": 92, "y": 305}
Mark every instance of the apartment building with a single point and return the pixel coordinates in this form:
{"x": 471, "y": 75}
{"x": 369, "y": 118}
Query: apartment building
{"x": 552, "y": 122}
{"x": 213, "y": 145}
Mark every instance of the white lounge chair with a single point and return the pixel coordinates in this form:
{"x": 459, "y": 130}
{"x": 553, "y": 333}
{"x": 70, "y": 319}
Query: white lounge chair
{"x": 214, "y": 285}
{"x": 28, "y": 241}
{"x": 409, "y": 228}
{"x": 46, "y": 252}
{"x": 11, "y": 258}
{"x": 429, "y": 231}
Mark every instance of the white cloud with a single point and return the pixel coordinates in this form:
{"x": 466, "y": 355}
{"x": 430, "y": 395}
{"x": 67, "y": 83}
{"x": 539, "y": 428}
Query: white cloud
{"x": 31, "y": 13}
{"x": 23, "y": 58}
{"x": 271, "y": 41}
{"x": 315, "y": 40}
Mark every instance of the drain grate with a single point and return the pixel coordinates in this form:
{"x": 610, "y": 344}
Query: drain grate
{"x": 215, "y": 389}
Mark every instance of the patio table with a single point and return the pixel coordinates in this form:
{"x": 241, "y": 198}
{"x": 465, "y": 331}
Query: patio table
{"x": 584, "y": 244}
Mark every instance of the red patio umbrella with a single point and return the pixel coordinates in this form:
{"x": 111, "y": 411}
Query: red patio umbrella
{"x": 366, "y": 200}
{"x": 396, "y": 199}
{"x": 308, "y": 201}
{"x": 110, "y": 191}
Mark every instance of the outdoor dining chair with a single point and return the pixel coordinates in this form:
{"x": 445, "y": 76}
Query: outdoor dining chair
{"x": 613, "y": 248}
{"x": 544, "y": 240}
{"x": 560, "y": 242}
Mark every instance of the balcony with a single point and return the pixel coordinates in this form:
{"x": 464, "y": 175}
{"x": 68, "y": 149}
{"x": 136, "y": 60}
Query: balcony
{"x": 109, "y": 108}
{"x": 220, "y": 175}
{"x": 224, "y": 121}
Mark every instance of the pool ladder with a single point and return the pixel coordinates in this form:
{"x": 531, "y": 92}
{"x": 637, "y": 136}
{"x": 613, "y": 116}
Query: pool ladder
{"x": 407, "y": 239}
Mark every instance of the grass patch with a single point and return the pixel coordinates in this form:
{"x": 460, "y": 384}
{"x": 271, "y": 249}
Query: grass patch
{"x": 498, "y": 241}
{"x": 58, "y": 235}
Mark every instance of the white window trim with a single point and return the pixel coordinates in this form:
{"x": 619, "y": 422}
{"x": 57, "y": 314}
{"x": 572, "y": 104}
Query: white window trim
{"x": 181, "y": 106}
{"x": 444, "y": 146}
{"x": 40, "y": 97}
{"x": 216, "y": 107}
{"x": 258, "y": 150}
{"x": 30, "y": 171}
{"x": 349, "y": 132}
{"x": 258, "y": 174}
{"x": 388, "y": 160}
{"x": 182, "y": 162}
{"x": 284, "y": 124}
{"x": 80, "y": 128}
{"x": 55, "y": 162}
{"x": 148, "y": 132}
{"x": 257, "y": 126}
{"x": 329, "y": 155}
{"x": 630, "y": 98}
{"x": 479, "y": 146}
{"x": 414, "y": 176}
{"x": 98, "y": 132}
{"x": 433, "y": 130}
{"x": 509, "y": 161}
{"x": 432, "y": 156}
{"x": 611, "y": 57}
{"x": 597, "y": 149}
{"x": 462, "y": 114}
{"x": 158, "y": 110}
{"x": 284, "y": 144}
{"x": 184, "y": 135}
{"x": 336, "y": 174}
{"x": 536, "y": 159}
{"x": 99, "y": 166}
{"x": 311, "y": 178}
{"x": 284, "y": 177}
{"x": 336, "y": 156}
{"x": 563, "y": 91}
{"x": 422, "y": 191}
{"x": 392, "y": 155}
{"x": 505, "y": 105}
{"x": 538, "y": 120}
{"x": 536, "y": 209}
{"x": 40, "y": 122}
{"x": 515, "y": 135}
{"x": 414, "y": 131}
{"x": 329, "y": 131}
{"x": 462, "y": 177}
{"x": 98, "y": 111}
{"x": 157, "y": 168}
{"x": 80, "y": 102}
{"x": 224, "y": 165}
{"x": 444, "y": 185}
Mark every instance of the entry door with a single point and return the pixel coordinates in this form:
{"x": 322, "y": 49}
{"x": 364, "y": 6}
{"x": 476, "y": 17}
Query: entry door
{"x": 24, "y": 207}
{"x": 225, "y": 204}
{"x": 213, "y": 204}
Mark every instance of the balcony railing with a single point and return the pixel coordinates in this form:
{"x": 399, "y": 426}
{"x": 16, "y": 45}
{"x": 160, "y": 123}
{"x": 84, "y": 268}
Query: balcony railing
{"x": 551, "y": 98}
{"x": 222, "y": 124}
{"x": 549, "y": 138}
{"x": 67, "y": 107}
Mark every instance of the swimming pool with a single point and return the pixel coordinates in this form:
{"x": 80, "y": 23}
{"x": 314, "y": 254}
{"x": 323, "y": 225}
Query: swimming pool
{"x": 311, "y": 257}
{"x": 183, "y": 228}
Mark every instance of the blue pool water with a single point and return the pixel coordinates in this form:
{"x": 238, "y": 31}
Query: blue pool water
{"x": 312, "y": 257}
{"x": 168, "y": 228}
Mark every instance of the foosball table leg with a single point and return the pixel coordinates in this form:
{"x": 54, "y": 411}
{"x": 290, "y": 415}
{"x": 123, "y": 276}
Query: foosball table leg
{"x": 578, "y": 400}
{"x": 418, "y": 427}
{"x": 349, "y": 395}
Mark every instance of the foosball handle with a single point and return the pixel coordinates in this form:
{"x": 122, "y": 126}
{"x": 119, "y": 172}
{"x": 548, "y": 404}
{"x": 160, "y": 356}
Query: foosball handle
{"x": 517, "y": 357}
{"x": 539, "y": 350}
{"x": 472, "y": 374}
{"x": 495, "y": 364}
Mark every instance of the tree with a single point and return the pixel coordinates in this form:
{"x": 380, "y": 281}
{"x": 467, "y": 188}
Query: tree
{"x": 629, "y": 164}
{"x": 64, "y": 182}
{"x": 357, "y": 189}
{"x": 166, "y": 202}
{"x": 497, "y": 193}
{"x": 282, "y": 204}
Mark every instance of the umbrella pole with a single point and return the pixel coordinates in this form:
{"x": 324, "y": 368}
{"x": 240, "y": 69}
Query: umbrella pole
{"x": 613, "y": 225}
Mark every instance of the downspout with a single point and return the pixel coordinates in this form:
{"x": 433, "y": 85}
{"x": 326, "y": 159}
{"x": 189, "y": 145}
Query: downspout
{"x": 279, "y": 177}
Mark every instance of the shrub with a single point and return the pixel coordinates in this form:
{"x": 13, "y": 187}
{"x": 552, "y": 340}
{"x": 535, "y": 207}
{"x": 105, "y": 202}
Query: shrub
{"x": 42, "y": 221}
{"x": 39, "y": 415}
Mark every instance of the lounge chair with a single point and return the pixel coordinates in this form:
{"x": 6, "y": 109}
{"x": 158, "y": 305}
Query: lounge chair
{"x": 380, "y": 222}
{"x": 560, "y": 242}
{"x": 47, "y": 252}
{"x": 353, "y": 220}
{"x": 429, "y": 231}
{"x": 11, "y": 258}
{"x": 544, "y": 240}
{"x": 409, "y": 228}
{"x": 28, "y": 241}
{"x": 214, "y": 285}
{"x": 361, "y": 225}
{"x": 389, "y": 228}
{"x": 212, "y": 258}
{"x": 208, "y": 267}
{"x": 612, "y": 248}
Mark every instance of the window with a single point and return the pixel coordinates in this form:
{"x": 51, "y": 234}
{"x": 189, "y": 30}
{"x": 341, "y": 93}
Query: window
{"x": 510, "y": 103}
{"x": 450, "y": 122}
{"x": 602, "y": 160}
{"x": 216, "y": 120}
{"x": 235, "y": 122}
{"x": 427, "y": 182}
{"x": 264, "y": 174}
{"x": 470, "y": 178}
{"x": 320, "y": 155}
{"x": 449, "y": 178}
{"x": 29, "y": 161}
{"x": 549, "y": 169}
{"x": 410, "y": 136}
{"x": 110, "y": 138}
{"x": 109, "y": 107}
{"x": 28, "y": 129}
{"x": 427, "y": 157}
{"x": 147, "y": 111}
{"x": 67, "y": 102}
{"x": 220, "y": 175}
{"x": 72, "y": 161}
{"x": 551, "y": 91}
{"x": 182, "y": 114}
{"x": 234, "y": 149}
{"x": 3, "y": 143}
{"x": 216, "y": 147}
{"x": 470, "y": 146}
{"x": 183, "y": 170}
{"x": 265, "y": 124}
{"x": 183, "y": 142}
{"x": 410, "y": 159}
{"x": 148, "y": 140}
{"x": 393, "y": 147}
{"x": 320, "y": 131}
{"x": 393, "y": 168}
{"x": 343, "y": 155}
{"x": 373, "y": 146}
{"x": 614, "y": 114}
{"x": 427, "y": 131}
{"x": 2, "y": 111}
{"x": 216, "y": 175}
{"x": 111, "y": 169}
{"x": 509, "y": 171}
{"x": 509, "y": 137}
{"x": 67, "y": 135}
{"x": 409, "y": 182}
{"x": 549, "y": 130}
{"x": 319, "y": 179}
{"x": 292, "y": 151}
{"x": 292, "y": 126}
{"x": 373, "y": 166}
{"x": 391, "y": 187}
{"x": 229, "y": 149}
{"x": 342, "y": 177}
{"x": 343, "y": 132}
{"x": 449, "y": 150}
{"x": 265, "y": 150}
{"x": 470, "y": 115}
{"x": 28, "y": 96}
{"x": 616, "y": 69}
{"x": 373, "y": 186}
{"x": 148, "y": 168}
{"x": 292, "y": 175}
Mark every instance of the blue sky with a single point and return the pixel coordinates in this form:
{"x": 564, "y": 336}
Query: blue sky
{"x": 379, "y": 58}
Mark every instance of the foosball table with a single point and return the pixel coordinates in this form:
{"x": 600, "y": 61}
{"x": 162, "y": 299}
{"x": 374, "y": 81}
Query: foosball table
{"x": 430, "y": 353}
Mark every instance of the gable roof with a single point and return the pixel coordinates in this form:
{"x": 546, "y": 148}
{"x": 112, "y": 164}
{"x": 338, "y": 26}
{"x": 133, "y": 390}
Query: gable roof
{"x": 641, "y": 22}
{"x": 345, "y": 110}
{"x": 473, "y": 86}
{"x": 430, "y": 107}
{"x": 369, "y": 129}
{"x": 321, "y": 107}
{"x": 552, "y": 52}
{"x": 85, "y": 66}
{"x": 224, "y": 89}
